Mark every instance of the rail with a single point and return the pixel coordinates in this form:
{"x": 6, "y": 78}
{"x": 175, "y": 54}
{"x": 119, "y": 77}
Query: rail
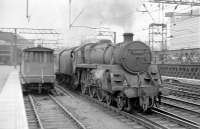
{"x": 141, "y": 118}
{"x": 35, "y": 111}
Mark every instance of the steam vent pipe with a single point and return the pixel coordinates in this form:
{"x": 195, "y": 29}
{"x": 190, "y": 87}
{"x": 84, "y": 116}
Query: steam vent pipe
{"x": 128, "y": 37}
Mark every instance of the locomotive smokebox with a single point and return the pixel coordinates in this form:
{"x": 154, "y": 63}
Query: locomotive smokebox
{"x": 128, "y": 37}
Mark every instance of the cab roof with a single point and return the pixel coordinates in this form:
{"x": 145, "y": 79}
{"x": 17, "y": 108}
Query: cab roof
{"x": 38, "y": 49}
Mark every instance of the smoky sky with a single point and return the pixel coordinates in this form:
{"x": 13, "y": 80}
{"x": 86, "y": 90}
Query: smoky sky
{"x": 107, "y": 12}
{"x": 121, "y": 14}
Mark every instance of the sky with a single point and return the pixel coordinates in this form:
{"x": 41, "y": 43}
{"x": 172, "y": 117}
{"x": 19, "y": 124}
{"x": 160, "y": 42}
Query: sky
{"x": 54, "y": 14}
{"x": 117, "y": 15}
{"x": 44, "y": 13}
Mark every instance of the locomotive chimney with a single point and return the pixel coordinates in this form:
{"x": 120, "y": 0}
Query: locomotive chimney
{"x": 128, "y": 37}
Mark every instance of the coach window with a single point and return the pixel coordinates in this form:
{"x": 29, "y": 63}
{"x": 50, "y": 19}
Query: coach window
{"x": 48, "y": 57}
{"x": 30, "y": 56}
{"x": 34, "y": 59}
{"x": 41, "y": 57}
{"x": 45, "y": 57}
{"x": 51, "y": 57}
{"x": 37, "y": 57}
{"x": 26, "y": 56}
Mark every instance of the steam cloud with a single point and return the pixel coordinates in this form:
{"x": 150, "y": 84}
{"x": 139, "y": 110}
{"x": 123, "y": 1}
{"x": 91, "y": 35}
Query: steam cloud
{"x": 109, "y": 12}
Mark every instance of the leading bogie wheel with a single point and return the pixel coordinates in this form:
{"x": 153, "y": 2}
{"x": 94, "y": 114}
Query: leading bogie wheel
{"x": 92, "y": 92}
{"x": 84, "y": 83}
{"x": 100, "y": 95}
{"x": 121, "y": 101}
{"x": 100, "y": 92}
{"x": 83, "y": 89}
{"x": 108, "y": 99}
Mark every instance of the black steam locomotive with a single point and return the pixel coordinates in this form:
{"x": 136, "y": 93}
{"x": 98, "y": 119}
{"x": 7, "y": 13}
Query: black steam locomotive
{"x": 119, "y": 73}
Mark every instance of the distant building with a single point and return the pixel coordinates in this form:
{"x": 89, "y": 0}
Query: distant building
{"x": 179, "y": 56}
{"x": 185, "y": 30}
{"x": 11, "y": 47}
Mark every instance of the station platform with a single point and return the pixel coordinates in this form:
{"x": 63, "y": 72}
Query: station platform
{"x": 12, "y": 110}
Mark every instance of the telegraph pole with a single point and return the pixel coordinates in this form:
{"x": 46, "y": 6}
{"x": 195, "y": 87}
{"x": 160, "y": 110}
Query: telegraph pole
{"x": 115, "y": 37}
{"x": 70, "y": 1}
{"x": 15, "y": 49}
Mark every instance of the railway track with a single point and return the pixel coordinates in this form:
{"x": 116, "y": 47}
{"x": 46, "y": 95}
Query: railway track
{"x": 181, "y": 112}
{"x": 46, "y": 112}
{"x": 184, "y": 86}
{"x": 158, "y": 119}
{"x": 191, "y": 104}
{"x": 123, "y": 118}
{"x": 168, "y": 120}
{"x": 183, "y": 90}
{"x": 185, "y": 108}
{"x": 33, "y": 119}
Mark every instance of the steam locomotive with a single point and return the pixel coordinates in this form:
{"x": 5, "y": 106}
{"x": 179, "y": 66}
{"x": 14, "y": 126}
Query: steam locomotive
{"x": 119, "y": 74}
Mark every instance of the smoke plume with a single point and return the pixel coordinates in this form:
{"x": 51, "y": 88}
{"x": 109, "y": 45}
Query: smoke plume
{"x": 108, "y": 12}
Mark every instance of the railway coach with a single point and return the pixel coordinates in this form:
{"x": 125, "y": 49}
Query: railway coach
{"x": 37, "y": 69}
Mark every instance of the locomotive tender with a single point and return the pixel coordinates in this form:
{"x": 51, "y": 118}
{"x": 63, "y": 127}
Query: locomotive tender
{"x": 120, "y": 74}
{"x": 37, "y": 69}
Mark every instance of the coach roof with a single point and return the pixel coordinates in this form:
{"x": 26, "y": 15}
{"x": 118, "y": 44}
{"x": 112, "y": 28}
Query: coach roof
{"x": 38, "y": 49}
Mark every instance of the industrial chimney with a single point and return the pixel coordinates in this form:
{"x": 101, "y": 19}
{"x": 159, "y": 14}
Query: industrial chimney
{"x": 128, "y": 37}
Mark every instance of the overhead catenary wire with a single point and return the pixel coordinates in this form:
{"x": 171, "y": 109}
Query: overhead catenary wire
{"x": 27, "y": 11}
{"x": 149, "y": 13}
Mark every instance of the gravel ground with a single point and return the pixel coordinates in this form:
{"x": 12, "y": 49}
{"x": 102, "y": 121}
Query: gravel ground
{"x": 95, "y": 117}
{"x": 4, "y": 73}
{"x": 51, "y": 115}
